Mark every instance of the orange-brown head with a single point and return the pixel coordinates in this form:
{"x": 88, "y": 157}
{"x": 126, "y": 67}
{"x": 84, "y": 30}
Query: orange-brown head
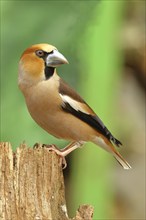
{"x": 37, "y": 63}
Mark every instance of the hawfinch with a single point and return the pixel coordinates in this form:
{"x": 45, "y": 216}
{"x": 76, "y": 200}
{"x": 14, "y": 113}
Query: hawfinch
{"x": 58, "y": 108}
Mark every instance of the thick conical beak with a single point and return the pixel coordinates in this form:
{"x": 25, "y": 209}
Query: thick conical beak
{"x": 55, "y": 59}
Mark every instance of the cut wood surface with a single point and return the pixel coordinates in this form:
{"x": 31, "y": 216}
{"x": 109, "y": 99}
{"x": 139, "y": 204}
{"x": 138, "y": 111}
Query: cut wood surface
{"x": 32, "y": 186}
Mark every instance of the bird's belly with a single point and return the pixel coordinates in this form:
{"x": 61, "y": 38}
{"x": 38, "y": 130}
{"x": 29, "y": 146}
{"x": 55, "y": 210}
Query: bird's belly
{"x": 60, "y": 124}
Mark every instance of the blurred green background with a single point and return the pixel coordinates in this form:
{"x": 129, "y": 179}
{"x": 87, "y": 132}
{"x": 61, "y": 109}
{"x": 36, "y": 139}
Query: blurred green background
{"x": 104, "y": 42}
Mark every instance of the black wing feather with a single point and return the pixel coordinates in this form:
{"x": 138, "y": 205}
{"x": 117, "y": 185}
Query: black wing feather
{"x": 93, "y": 121}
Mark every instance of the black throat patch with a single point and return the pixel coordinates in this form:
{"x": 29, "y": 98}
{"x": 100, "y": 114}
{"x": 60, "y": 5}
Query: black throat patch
{"x": 49, "y": 71}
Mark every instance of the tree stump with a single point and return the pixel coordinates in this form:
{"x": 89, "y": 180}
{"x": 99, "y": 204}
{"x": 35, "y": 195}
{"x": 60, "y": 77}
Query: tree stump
{"x": 32, "y": 186}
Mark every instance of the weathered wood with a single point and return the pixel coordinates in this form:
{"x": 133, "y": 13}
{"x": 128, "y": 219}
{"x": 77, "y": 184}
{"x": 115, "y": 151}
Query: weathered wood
{"x": 85, "y": 212}
{"x": 32, "y": 186}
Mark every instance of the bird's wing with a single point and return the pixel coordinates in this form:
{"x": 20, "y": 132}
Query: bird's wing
{"x": 72, "y": 103}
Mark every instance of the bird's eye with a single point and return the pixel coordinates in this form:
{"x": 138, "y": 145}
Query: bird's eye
{"x": 40, "y": 53}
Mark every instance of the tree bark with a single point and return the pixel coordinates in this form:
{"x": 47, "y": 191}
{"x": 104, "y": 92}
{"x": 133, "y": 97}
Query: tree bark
{"x": 32, "y": 186}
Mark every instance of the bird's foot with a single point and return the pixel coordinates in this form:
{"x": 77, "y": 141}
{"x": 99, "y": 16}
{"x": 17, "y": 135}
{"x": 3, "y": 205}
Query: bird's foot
{"x": 62, "y": 152}
{"x": 59, "y": 152}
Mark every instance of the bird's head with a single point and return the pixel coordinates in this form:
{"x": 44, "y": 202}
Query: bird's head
{"x": 38, "y": 63}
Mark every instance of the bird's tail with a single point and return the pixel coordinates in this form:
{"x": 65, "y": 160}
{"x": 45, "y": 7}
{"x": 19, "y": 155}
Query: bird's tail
{"x": 121, "y": 160}
{"x": 108, "y": 146}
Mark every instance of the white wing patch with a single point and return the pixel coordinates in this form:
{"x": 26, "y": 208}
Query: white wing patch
{"x": 74, "y": 104}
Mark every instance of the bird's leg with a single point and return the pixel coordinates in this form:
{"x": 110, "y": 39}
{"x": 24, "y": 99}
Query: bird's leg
{"x": 65, "y": 151}
{"x": 70, "y": 147}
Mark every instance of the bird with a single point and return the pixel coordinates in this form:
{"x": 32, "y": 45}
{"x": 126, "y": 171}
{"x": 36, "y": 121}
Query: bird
{"x": 57, "y": 107}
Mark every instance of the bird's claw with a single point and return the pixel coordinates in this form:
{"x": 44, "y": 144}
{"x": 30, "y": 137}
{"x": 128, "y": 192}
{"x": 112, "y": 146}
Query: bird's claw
{"x": 63, "y": 162}
{"x": 36, "y": 145}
